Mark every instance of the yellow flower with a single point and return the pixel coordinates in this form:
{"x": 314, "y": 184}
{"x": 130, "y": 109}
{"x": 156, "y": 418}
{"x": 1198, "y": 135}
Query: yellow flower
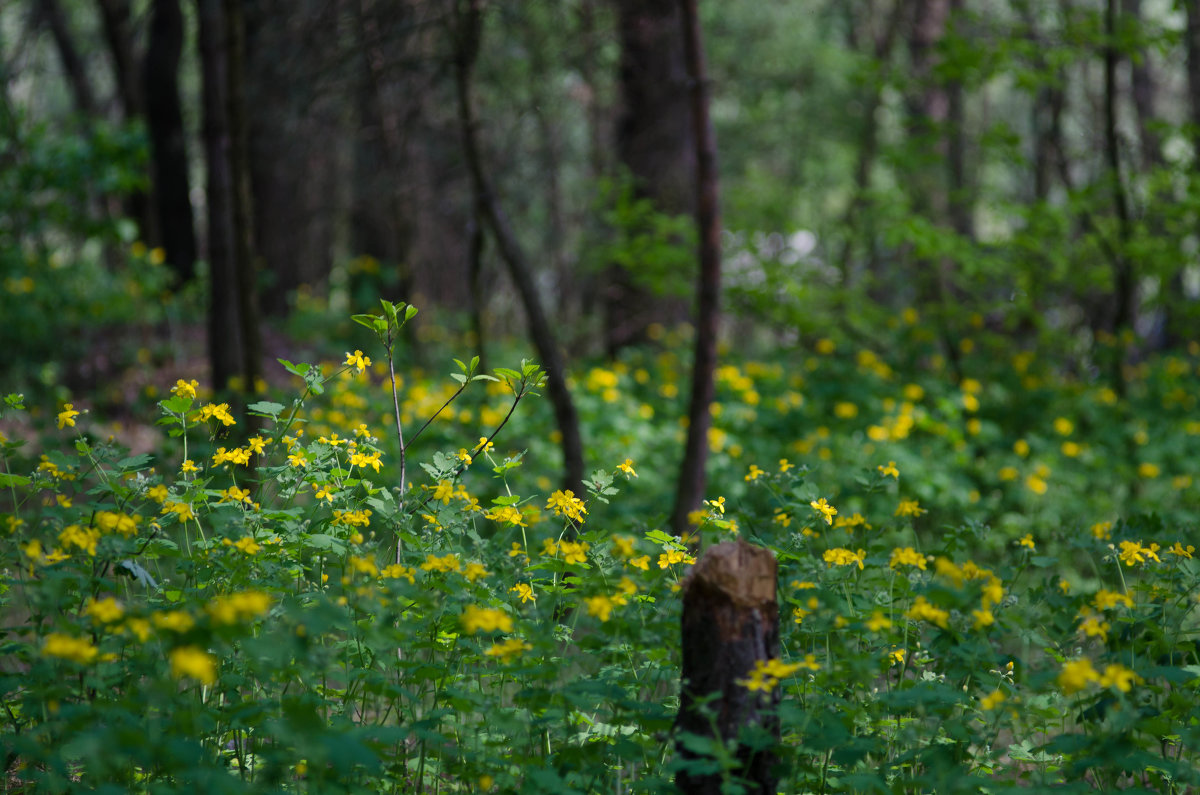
{"x": 784, "y": 466}
{"x": 188, "y": 466}
{"x": 888, "y": 469}
{"x": 906, "y": 556}
{"x": 186, "y": 389}
{"x": 65, "y": 647}
{"x": 923, "y": 610}
{"x": 398, "y": 572}
{"x": 524, "y": 592}
{"x": 257, "y": 445}
{"x": 104, "y": 611}
{"x": 113, "y": 522}
{"x": 358, "y": 361}
{"x": 158, "y": 493}
{"x": 878, "y": 622}
{"x": 1027, "y": 541}
{"x": 599, "y": 606}
{"x": 754, "y": 474}
{"x": 181, "y": 509}
{"x": 1077, "y": 675}
{"x": 1145, "y": 469}
{"x": 824, "y": 509}
{"x": 506, "y": 651}
{"x": 447, "y": 563}
{"x": 475, "y": 571}
{"x": 627, "y": 468}
{"x": 642, "y": 562}
{"x": 574, "y": 552}
{"x": 174, "y": 621}
{"x": 983, "y": 618}
{"x": 74, "y": 535}
{"x": 443, "y": 491}
{"x": 66, "y": 417}
{"x": 1182, "y": 551}
{"x": 218, "y": 412}
{"x": 566, "y": 502}
{"x": 1105, "y": 599}
{"x": 992, "y": 700}
{"x": 194, "y": 662}
{"x": 1102, "y": 531}
{"x": 487, "y": 619}
{"x": 507, "y": 513}
{"x": 717, "y": 505}
{"x": 844, "y": 557}
{"x": 1132, "y": 552}
{"x": 323, "y": 492}
{"x": 622, "y": 546}
{"x": 669, "y": 558}
{"x": 1021, "y": 447}
{"x": 909, "y": 508}
{"x": 1120, "y": 677}
{"x": 248, "y": 545}
{"x": 1064, "y": 426}
{"x": 1036, "y": 484}
{"x": 239, "y": 607}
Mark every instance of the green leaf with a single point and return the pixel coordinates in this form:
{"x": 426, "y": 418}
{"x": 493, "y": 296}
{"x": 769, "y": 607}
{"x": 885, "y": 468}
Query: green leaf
{"x": 296, "y": 369}
{"x": 7, "y": 480}
{"x": 265, "y": 408}
{"x": 135, "y": 463}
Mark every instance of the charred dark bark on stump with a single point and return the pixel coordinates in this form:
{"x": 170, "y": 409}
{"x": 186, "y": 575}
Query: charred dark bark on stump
{"x": 730, "y": 621}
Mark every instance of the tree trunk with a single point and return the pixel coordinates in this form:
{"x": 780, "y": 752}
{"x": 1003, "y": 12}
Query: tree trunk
{"x": 168, "y": 144}
{"x": 654, "y": 142}
{"x": 243, "y": 207}
{"x": 693, "y": 480}
{"x": 730, "y": 622}
{"x": 468, "y": 18}
{"x": 224, "y": 329}
{"x": 1193, "y": 72}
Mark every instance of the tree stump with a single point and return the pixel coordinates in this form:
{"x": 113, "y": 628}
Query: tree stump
{"x": 730, "y": 621}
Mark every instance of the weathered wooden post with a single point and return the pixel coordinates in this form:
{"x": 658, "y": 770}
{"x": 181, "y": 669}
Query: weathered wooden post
{"x": 730, "y": 622}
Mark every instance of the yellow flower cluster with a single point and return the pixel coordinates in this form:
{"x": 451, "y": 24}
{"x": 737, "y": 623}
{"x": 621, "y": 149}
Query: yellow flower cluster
{"x": 446, "y": 563}
{"x": 218, "y": 412}
{"x": 65, "y": 647}
{"x": 565, "y": 502}
{"x": 508, "y": 649}
{"x": 923, "y": 610}
{"x": 1077, "y": 674}
{"x": 487, "y": 619}
{"x": 238, "y": 607}
{"x": 906, "y": 556}
{"x": 767, "y": 673}
{"x": 843, "y": 557}
{"x": 194, "y": 662}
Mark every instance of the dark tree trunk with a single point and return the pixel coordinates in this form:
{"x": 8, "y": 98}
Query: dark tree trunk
{"x": 117, "y": 22}
{"x": 730, "y": 622}
{"x": 468, "y": 18}
{"x": 693, "y": 480}
{"x": 68, "y": 53}
{"x": 654, "y": 142}
{"x": 1124, "y": 289}
{"x": 960, "y": 198}
{"x": 224, "y": 327}
{"x": 1144, "y": 90}
{"x": 168, "y": 144}
{"x": 243, "y": 207}
{"x": 1192, "y": 41}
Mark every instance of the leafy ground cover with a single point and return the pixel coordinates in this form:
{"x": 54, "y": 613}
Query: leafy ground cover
{"x": 987, "y": 578}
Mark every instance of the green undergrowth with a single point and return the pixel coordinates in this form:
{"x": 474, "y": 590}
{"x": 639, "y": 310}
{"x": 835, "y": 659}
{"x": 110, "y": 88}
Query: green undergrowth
{"x": 985, "y": 578}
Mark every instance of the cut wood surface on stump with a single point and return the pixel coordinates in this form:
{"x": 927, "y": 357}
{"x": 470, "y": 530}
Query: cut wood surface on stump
{"x": 730, "y": 622}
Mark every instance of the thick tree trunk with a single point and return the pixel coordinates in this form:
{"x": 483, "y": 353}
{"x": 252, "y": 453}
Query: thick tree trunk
{"x": 730, "y": 622}
{"x": 654, "y": 142}
{"x": 224, "y": 327}
{"x": 467, "y": 34}
{"x": 1192, "y": 42}
{"x": 693, "y": 480}
{"x": 168, "y": 144}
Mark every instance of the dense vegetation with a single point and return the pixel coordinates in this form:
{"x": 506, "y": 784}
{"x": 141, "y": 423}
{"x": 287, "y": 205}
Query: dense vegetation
{"x": 955, "y": 393}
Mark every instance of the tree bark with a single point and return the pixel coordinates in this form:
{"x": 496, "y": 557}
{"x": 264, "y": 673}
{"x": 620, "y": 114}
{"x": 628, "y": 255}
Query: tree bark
{"x": 224, "y": 329}
{"x": 693, "y": 479}
{"x": 1192, "y": 41}
{"x": 243, "y": 207}
{"x": 655, "y": 145}
{"x": 468, "y": 17}
{"x": 730, "y": 622}
{"x": 168, "y": 143}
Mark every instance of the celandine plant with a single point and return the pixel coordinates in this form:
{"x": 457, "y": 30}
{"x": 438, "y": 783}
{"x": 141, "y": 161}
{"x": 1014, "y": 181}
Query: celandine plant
{"x": 286, "y": 611}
